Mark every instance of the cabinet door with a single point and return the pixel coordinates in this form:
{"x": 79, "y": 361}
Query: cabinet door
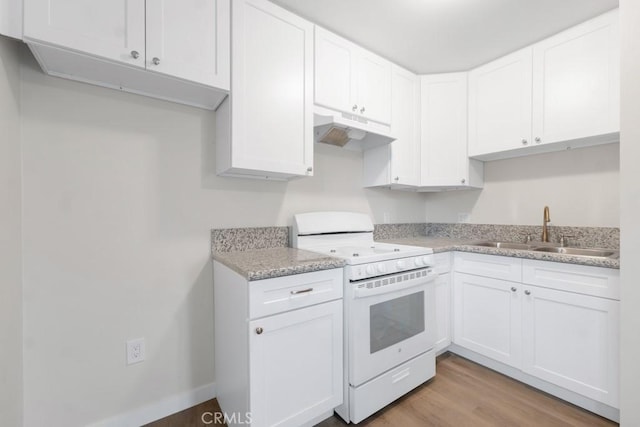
{"x": 112, "y": 30}
{"x": 334, "y": 61}
{"x": 190, "y": 39}
{"x": 443, "y": 312}
{"x": 576, "y": 82}
{"x": 500, "y": 104}
{"x": 296, "y": 365}
{"x": 443, "y": 129}
{"x": 405, "y": 150}
{"x": 272, "y": 90}
{"x": 373, "y": 82}
{"x": 487, "y": 317}
{"x": 572, "y": 341}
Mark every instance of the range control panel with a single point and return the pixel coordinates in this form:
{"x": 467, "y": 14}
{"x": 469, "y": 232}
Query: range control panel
{"x": 382, "y": 268}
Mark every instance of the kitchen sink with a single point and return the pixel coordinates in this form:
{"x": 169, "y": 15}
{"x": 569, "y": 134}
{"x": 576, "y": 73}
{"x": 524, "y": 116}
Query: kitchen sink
{"x": 503, "y": 245}
{"x": 600, "y": 253}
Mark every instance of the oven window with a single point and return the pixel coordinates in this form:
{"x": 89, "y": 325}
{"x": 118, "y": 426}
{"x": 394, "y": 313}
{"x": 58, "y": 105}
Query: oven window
{"x": 396, "y": 320}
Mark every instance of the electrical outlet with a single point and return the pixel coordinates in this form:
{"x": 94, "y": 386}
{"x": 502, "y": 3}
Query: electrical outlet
{"x": 135, "y": 351}
{"x": 464, "y": 217}
{"x": 386, "y": 217}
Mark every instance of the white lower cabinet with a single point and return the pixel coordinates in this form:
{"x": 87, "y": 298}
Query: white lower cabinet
{"x": 554, "y": 322}
{"x": 487, "y": 317}
{"x": 278, "y": 347}
{"x": 443, "y": 302}
{"x": 572, "y": 341}
{"x": 292, "y": 365}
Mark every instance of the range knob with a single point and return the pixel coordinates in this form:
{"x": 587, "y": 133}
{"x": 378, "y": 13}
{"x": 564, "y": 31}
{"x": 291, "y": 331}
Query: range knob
{"x": 382, "y": 268}
{"x": 425, "y": 260}
{"x": 371, "y": 269}
{"x": 418, "y": 262}
{"x": 401, "y": 265}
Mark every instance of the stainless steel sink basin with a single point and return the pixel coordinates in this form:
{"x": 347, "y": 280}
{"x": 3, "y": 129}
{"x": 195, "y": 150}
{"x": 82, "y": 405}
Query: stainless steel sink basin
{"x": 600, "y": 253}
{"x": 503, "y": 245}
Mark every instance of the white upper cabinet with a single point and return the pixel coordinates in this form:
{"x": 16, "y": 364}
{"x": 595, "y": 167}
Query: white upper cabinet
{"x": 443, "y": 127}
{"x": 398, "y": 164}
{"x": 11, "y": 18}
{"x": 182, "y": 42}
{"x": 185, "y": 44}
{"x": 576, "y": 82}
{"x": 112, "y": 30}
{"x": 559, "y": 93}
{"x": 500, "y": 104}
{"x": 351, "y": 79}
{"x": 265, "y": 128}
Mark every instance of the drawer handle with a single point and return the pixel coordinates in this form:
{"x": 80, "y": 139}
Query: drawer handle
{"x": 303, "y": 291}
{"x": 400, "y": 376}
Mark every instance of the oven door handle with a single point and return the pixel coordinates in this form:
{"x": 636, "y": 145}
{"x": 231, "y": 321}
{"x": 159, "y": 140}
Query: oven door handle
{"x": 368, "y": 292}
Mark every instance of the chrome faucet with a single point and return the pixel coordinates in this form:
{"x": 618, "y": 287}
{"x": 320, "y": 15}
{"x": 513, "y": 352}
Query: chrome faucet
{"x": 545, "y": 220}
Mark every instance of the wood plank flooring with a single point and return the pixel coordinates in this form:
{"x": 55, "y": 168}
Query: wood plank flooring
{"x": 462, "y": 394}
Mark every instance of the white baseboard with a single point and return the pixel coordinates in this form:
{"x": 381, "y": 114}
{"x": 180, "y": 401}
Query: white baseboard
{"x": 162, "y": 408}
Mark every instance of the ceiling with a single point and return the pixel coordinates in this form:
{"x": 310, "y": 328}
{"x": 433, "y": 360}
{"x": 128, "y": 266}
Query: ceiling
{"x": 431, "y": 36}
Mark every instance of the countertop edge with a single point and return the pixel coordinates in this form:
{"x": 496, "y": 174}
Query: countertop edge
{"x": 458, "y": 246}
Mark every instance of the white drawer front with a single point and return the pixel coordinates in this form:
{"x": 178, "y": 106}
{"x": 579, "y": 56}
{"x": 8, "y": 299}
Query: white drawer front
{"x": 497, "y": 267}
{"x": 442, "y": 262}
{"x": 271, "y": 296}
{"x": 379, "y": 392}
{"x": 583, "y": 279}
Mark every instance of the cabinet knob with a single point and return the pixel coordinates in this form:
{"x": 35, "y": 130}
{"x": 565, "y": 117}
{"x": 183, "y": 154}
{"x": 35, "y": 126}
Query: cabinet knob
{"x": 355, "y": 107}
{"x": 462, "y": 181}
{"x": 135, "y": 54}
{"x": 513, "y": 289}
{"x": 362, "y": 110}
{"x": 156, "y": 61}
{"x": 525, "y": 142}
{"x": 259, "y": 330}
{"x": 396, "y": 179}
{"x": 309, "y": 169}
{"x": 527, "y": 292}
{"x": 538, "y": 140}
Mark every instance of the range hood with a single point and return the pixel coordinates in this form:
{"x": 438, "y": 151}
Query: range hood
{"x": 349, "y": 131}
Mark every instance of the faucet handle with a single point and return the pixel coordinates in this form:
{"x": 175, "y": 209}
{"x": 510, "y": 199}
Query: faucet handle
{"x": 563, "y": 239}
{"x": 527, "y": 237}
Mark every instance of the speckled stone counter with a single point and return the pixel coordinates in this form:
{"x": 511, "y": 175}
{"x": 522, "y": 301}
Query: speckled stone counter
{"x": 275, "y": 262}
{"x": 443, "y": 244}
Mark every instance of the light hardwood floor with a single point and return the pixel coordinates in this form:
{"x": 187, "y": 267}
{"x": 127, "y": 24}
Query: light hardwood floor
{"x": 462, "y": 394}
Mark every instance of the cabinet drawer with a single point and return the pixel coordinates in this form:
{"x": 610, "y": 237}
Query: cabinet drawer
{"x": 497, "y": 267}
{"x": 583, "y": 279}
{"x": 271, "y": 296}
{"x": 442, "y": 262}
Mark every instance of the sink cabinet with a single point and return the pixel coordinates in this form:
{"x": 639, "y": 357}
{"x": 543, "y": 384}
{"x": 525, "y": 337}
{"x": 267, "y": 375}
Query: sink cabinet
{"x": 554, "y": 322}
{"x": 169, "y": 49}
{"x": 278, "y": 355}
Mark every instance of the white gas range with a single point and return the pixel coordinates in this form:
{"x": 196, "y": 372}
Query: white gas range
{"x": 389, "y": 309}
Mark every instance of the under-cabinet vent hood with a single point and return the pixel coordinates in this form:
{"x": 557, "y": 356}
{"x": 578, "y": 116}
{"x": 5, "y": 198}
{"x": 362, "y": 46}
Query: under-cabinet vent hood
{"x": 349, "y": 131}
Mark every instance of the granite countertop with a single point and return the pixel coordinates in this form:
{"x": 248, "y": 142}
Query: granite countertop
{"x": 261, "y": 264}
{"x": 442, "y": 244}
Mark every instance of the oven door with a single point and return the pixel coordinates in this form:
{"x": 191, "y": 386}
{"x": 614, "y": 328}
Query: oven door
{"x": 391, "y": 320}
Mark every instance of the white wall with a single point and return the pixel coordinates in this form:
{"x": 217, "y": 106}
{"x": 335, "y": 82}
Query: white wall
{"x": 630, "y": 207}
{"x": 580, "y": 187}
{"x": 120, "y": 193}
{"x": 10, "y": 236}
